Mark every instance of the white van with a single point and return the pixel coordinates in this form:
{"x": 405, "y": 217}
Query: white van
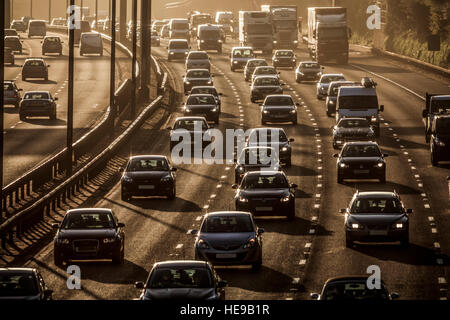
{"x": 37, "y": 28}
{"x": 91, "y": 43}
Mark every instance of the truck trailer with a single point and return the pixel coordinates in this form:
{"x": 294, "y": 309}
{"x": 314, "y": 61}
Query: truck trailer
{"x": 284, "y": 22}
{"x": 255, "y": 30}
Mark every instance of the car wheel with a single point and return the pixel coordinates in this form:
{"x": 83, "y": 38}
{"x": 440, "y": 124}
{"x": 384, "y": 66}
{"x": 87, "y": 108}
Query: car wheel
{"x": 119, "y": 256}
{"x": 434, "y": 161}
{"x": 348, "y": 242}
{"x": 263, "y": 122}
{"x": 294, "y": 121}
{"x": 252, "y": 100}
{"x": 232, "y": 69}
{"x": 289, "y": 162}
{"x": 319, "y": 97}
{"x": 291, "y": 213}
{"x": 172, "y": 195}
{"x": 169, "y": 59}
{"x": 58, "y": 259}
{"x": 427, "y": 138}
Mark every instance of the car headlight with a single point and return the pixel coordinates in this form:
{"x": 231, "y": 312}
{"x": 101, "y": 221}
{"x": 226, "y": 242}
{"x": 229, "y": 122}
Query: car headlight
{"x": 235, "y": 62}
{"x": 108, "y": 240}
{"x": 171, "y": 52}
{"x": 241, "y": 169}
{"x": 284, "y": 149}
{"x": 330, "y": 101}
{"x": 202, "y": 41}
{"x": 265, "y": 111}
{"x": 187, "y": 110}
{"x": 63, "y": 241}
{"x": 187, "y": 82}
{"x": 356, "y": 226}
{"x": 373, "y": 119}
{"x": 243, "y": 199}
{"x": 399, "y": 226}
{"x": 380, "y": 165}
{"x": 275, "y": 41}
{"x": 202, "y": 244}
{"x": 293, "y": 60}
{"x": 343, "y": 165}
{"x": 295, "y": 41}
{"x": 167, "y": 178}
{"x": 214, "y": 110}
{"x": 276, "y": 60}
{"x": 127, "y": 179}
{"x": 319, "y": 74}
{"x": 439, "y": 142}
{"x": 285, "y": 198}
{"x": 219, "y": 41}
{"x": 186, "y": 53}
{"x": 209, "y": 82}
{"x": 293, "y": 111}
{"x": 250, "y": 243}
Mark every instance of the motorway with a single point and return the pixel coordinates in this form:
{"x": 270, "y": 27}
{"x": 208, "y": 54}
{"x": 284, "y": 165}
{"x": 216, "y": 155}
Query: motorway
{"x": 298, "y": 256}
{"x": 22, "y": 151}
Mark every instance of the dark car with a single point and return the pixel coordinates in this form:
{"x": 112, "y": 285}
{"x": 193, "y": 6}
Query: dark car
{"x": 148, "y": 176}
{"x": 9, "y": 56}
{"x": 352, "y": 129}
{"x": 182, "y": 280}
{"x": 11, "y": 94}
{"x": 23, "y": 284}
{"x": 284, "y": 58}
{"x": 11, "y": 33}
{"x": 37, "y": 104}
{"x": 197, "y": 77}
{"x": 333, "y": 89}
{"x": 190, "y": 126}
{"x": 267, "y": 193}
{"x": 376, "y": 216}
{"x": 251, "y": 65}
{"x": 204, "y": 105}
{"x": 88, "y": 234}
{"x": 272, "y": 137}
{"x": 177, "y": 48}
{"x": 440, "y": 139}
{"x": 208, "y": 90}
{"x": 14, "y": 43}
{"x": 254, "y": 159}
{"x": 52, "y": 44}
{"x": 352, "y": 288}
{"x": 279, "y": 108}
{"x": 35, "y": 68}
{"x": 239, "y": 57}
{"x": 229, "y": 238}
{"x": 263, "y": 86}
{"x": 18, "y": 25}
{"x": 361, "y": 160}
{"x": 308, "y": 71}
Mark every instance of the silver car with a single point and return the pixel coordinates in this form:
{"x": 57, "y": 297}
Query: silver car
{"x": 324, "y": 83}
{"x": 198, "y": 60}
{"x": 229, "y": 238}
{"x": 264, "y": 71}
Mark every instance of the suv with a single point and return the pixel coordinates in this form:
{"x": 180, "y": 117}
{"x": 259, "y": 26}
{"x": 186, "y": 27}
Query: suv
{"x": 440, "y": 139}
{"x": 52, "y": 44}
{"x": 11, "y": 94}
{"x": 35, "y": 68}
{"x": 91, "y": 42}
{"x": 239, "y": 57}
{"x": 37, "y": 104}
{"x": 178, "y": 49}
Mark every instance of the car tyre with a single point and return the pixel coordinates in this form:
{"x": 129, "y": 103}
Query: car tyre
{"x": 173, "y": 194}
{"x": 119, "y": 256}
{"x": 348, "y": 242}
{"x": 53, "y": 116}
{"x": 383, "y": 179}
{"x": 405, "y": 241}
{"x": 58, "y": 259}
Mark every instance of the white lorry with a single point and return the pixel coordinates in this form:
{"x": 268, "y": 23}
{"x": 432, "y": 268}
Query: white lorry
{"x": 255, "y": 30}
{"x": 285, "y": 27}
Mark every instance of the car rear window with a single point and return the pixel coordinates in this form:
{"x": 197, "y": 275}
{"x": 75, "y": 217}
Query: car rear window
{"x": 257, "y": 63}
{"x": 34, "y": 63}
{"x": 148, "y": 165}
{"x": 198, "y": 74}
{"x": 243, "y": 53}
{"x": 307, "y": 65}
{"x": 36, "y": 95}
{"x": 198, "y": 55}
{"x": 227, "y": 224}
{"x": 278, "y": 101}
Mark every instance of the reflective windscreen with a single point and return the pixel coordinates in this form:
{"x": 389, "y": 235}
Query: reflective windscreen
{"x": 227, "y": 224}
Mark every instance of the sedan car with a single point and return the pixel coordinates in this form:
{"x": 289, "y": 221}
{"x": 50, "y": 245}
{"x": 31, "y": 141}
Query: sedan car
{"x": 198, "y": 60}
{"x": 19, "y": 26}
{"x": 324, "y": 82}
{"x": 272, "y": 137}
{"x": 263, "y": 86}
{"x": 148, "y": 175}
{"x": 251, "y": 65}
{"x": 254, "y": 159}
{"x": 9, "y": 56}
{"x": 376, "y": 216}
{"x": 191, "y": 125}
{"x": 11, "y": 94}
{"x": 14, "y": 43}
{"x": 353, "y": 288}
{"x": 284, "y": 58}
{"x": 23, "y": 284}
{"x": 88, "y": 234}
{"x": 352, "y": 129}
{"x": 155, "y": 39}
{"x": 361, "y": 160}
{"x": 264, "y": 71}
{"x": 279, "y": 108}
{"x": 308, "y": 71}
{"x": 267, "y": 193}
{"x": 35, "y": 68}
{"x": 52, "y": 44}
{"x": 182, "y": 280}
{"x": 204, "y": 105}
{"x": 208, "y": 90}
{"x": 197, "y": 77}
{"x": 229, "y": 238}
{"x": 333, "y": 89}
{"x": 37, "y": 104}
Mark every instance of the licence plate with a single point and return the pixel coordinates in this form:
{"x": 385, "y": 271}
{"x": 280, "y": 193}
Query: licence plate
{"x": 361, "y": 171}
{"x": 226, "y": 255}
{"x": 279, "y": 116}
{"x": 378, "y": 232}
{"x": 146, "y": 187}
{"x": 263, "y": 208}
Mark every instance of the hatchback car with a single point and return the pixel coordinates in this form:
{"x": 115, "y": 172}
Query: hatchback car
{"x": 351, "y": 130}
{"x": 204, "y": 105}
{"x": 352, "y": 288}
{"x": 198, "y": 60}
{"x": 229, "y": 238}
{"x": 208, "y": 90}
{"x": 376, "y": 216}
{"x": 324, "y": 82}
{"x": 14, "y": 43}
{"x": 361, "y": 160}
{"x": 264, "y": 71}
{"x": 23, "y": 284}
{"x": 18, "y": 25}
{"x": 263, "y": 86}
{"x": 239, "y": 57}
{"x": 251, "y": 65}
{"x": 52, "y": 44}
{"x": 272, "y": 137}
{"x": 35, "y": 68}
{"x": 254, "y": 159}
{"x": 333, "y": 90}
{"x": 279, "y": 108}
{"x": 178, "y": 49}
{"x": 267, "y": 193}
{"x": 89, "y": 234}
{"x": 148, "y": 176}
{"x": 284, "y": 58}
{"x": 191, "y": 125}
{"x": 11, "y": 94}
{"x": 37, "y": 104}
{"x": 308, "y": 71}
{"x": 197, "y": 77}
{"x": 182, "y": 280}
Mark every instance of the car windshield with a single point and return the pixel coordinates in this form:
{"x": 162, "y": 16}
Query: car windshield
{"x": 197, "y": 74}
{"x": 154, "y": 34}
{"x": 258, "y": 156}
{"x": 10, "y": 32}
{"x": 334, "y": 88}
{"x": 359, "y": 150}
{"x": 358, "y": 102}
{"x": 211, "y": 90}
{"x": 443, "y": 126}
{"x": 88, "y": 220}
{"x": 440, "y": 106}
{"x": 356, "y": 290}
{"x": 243, "y": 53}
{"x": 11, "y": 39}
{"x": 210, "y": 34}
{"x": 166, "y": 278}
{"x": 137, "y": 165}
{"x": 353, "y": 123}
{"x": 284, "y": 54}
{"x": 267, "y": 136}
{"x": 278, "y": 101}
{"x": 34, "y": 63}
{"x": 264, "y": 181}
{"x": 190, "y": 125}
{"x": 376, "y": 205}
{"x": 8, "y": 86}
{"x": 198, "y": 55}
{"x": 198, "y": 100}
{"x": 308, "y": 65}
{"x": 257, "y": 63}
{"x": 227, "y": 224}
{"x": 266, "y": 81}
{"x": 265, "y": 70}
{"x": 36, "y": 96}
{"x": 328, "y": 79}
{"x": 17, "y": 284}
{"x": 178, "y": 45}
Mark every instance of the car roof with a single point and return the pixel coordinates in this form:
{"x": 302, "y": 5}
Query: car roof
{"x": 192, "y": 70}
{"x": 279, "y": 96}
{"x": 309, "y": 62}
{"x": 261, "y": 67}
{"x": 251, "y": 48}
{"x": 198, "y": 51}
{"x": 265, "y": 173}
{"x": 348, "y": 277}
{"x": 18, "y": 270}
{"x": 376, "y": 194}
{"x": 362, "y": 143}
{"x": 180, "y": 263}
{"x": 89, "y": 210}
{"x": 204, "y": 87}
{"x": 201, "y": 95}
{"x": 148, "y": 156}
{"x": 228, "y": 213}
{"x": 11, "y": 37}
{"x": 189, "y": 118}
{"x": 331, "y": 75}
{"x": 35, "y": 91}
{"x": 177, "y": 40}
{"x": 357, "y": 90}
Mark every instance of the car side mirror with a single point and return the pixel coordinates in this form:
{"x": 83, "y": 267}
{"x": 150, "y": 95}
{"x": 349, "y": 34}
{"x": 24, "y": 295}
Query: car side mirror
{"x": 335, "y": 155}
{"x": 48, "y": 294}
{"x": 56, "y": 99}
{"x": 122, "y": 169}
{"x": 55, "y": 225}
{"x": 314, "y": 296}
{"x": 173, "y": 169}
{"x": 139, "y": 285}
{"x": 291, "y": 139}
{"x": 409, "y": 210}
{"x": 342, "y": 210}
{"x": 220, "y": 94}
{"x": 121, "y": 225}
{"x": 382, "y": 108}
{"x": 385, "y": 155}
{"x": 194, "y": 232}
{"x": 424, "y": 113}
{"x": 395, "y": 295}
{"x": 169, "y": 128}
{"x": 234, "y": 186}
{"x": 260, "y": 231}
{"x": 293, "y": 186}
{"x": 222, "y": 284}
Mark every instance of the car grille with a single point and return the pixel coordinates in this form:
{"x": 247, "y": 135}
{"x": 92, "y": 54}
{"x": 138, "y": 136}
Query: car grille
{"x": 226, "y": 247}
{"x": 86, "y": 246}
{"x": 147, "y": 181}
{"x": 264, "y": 201}
{"x": 376, "y": 227}
{"x": 239, "y": 257}
{"x": 360, "y": 166}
